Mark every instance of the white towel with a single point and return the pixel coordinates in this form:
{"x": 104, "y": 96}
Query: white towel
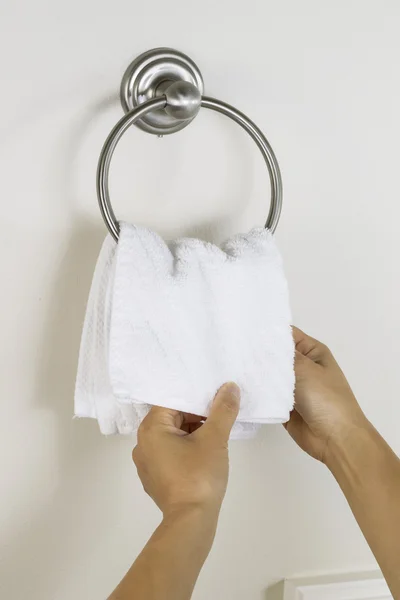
{"x": 168, "y": 323}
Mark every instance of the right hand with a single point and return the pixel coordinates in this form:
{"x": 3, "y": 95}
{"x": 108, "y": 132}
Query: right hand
{"x": 326, "y": 410}
{"x": 183, "y": 462}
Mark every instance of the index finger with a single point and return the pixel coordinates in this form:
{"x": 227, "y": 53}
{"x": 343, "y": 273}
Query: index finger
{"x": 160, "y": 417}
{"x": 310, "y": 347}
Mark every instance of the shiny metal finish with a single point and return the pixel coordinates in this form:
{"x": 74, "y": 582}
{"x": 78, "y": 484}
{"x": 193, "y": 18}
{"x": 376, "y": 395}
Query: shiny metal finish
{"x": 271, "y": 161}
{"x": 146, "y": 77}
{"x": 103, "y": 167}
{"x": 159, "y": 101}
{"x": 183, "y": 100}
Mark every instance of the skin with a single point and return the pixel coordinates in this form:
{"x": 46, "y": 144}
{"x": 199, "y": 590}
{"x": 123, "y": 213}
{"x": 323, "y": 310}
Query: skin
{"x": 183, "y": 464}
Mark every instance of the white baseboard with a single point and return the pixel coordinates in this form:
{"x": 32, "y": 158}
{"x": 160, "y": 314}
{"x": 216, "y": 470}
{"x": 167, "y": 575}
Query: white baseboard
{"x": 349, "y": 586}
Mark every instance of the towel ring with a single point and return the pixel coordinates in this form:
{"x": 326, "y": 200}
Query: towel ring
{"x": 161, "y": 92}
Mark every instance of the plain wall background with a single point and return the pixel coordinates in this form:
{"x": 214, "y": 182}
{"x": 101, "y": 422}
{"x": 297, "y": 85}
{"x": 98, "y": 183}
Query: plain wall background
{"x": 322, "y": 80}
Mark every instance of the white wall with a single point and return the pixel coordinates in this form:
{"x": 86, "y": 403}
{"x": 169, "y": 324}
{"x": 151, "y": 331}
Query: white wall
{"x": 322, "y": 79}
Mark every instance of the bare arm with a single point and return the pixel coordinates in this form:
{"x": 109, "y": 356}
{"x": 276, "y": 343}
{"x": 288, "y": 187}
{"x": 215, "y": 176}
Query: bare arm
{"x": 170, "y": 563}
{"x": 183, "y": 465}
{"x": 368, "y": 472}
{"x": 328, "y": 424}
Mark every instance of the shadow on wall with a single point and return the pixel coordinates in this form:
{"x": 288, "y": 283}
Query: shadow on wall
{"x": 275, "y": 592}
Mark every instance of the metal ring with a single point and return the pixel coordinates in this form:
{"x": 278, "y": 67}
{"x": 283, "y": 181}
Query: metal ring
{"x": 206, "y": 102}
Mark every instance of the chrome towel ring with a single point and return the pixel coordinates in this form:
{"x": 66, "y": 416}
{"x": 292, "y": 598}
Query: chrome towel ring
{"x": 161, "y": 92}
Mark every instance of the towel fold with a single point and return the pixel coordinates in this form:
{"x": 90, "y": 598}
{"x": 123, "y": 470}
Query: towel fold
{"x": 168, "y": 323}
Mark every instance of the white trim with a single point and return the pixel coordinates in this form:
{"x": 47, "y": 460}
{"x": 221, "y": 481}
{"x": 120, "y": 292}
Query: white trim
{"x": 360, "y": 586}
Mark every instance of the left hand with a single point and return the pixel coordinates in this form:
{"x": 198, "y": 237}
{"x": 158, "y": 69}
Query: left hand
{"x": 183, "y": 462}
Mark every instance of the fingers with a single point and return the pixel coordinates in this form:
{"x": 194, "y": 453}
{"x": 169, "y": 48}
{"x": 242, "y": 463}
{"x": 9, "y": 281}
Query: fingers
{"x": 304, "y": 343}
{"x": 223, "y": 413}
{"x": 294, "y": 423}
{"x": 166, "y": 419}
{"x": 296, "y": 428}
{"x": 311, "y": 348}
{"x": 160, "y": 418}
{"x": 220, "y": 421}
{"x": 300, "y": 360}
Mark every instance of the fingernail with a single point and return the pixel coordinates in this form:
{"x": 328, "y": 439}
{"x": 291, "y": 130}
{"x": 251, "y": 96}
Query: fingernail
{"x": 232, "y": 388}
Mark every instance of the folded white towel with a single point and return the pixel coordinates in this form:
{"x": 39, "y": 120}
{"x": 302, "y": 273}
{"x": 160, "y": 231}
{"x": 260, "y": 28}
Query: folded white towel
{"x": 168, "y": 324}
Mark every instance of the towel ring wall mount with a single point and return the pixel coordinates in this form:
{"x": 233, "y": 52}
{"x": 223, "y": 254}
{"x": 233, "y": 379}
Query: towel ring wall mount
{"x": 161, "y": 93}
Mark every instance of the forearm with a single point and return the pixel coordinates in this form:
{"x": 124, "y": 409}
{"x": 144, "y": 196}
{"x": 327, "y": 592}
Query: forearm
{"x": 168, "y": 566}
{"x": 368, "y": 472}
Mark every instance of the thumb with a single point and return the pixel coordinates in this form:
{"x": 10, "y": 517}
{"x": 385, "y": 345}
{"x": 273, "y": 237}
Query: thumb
{"x": 223, "y": 412}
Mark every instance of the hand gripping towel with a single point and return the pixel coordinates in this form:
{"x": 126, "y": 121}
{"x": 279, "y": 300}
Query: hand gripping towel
{"x": 168, "y": 323}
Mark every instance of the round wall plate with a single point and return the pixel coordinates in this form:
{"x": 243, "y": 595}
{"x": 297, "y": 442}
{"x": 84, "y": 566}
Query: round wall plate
{"x": 144, "y": 77}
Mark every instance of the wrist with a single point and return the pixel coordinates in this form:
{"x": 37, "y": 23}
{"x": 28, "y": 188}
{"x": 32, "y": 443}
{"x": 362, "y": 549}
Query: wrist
{"x": 349, "y": 446}
{"x": 195, "y": 512}
{"x": 196, "y": 522}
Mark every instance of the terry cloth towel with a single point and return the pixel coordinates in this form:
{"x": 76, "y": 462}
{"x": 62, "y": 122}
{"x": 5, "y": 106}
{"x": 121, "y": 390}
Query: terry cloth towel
{"x": 168, "y": 323}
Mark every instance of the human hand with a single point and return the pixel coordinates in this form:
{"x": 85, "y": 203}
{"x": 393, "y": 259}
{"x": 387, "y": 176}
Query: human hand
{"x": 183, "y": 462}
{"x": 326, "y": 410}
